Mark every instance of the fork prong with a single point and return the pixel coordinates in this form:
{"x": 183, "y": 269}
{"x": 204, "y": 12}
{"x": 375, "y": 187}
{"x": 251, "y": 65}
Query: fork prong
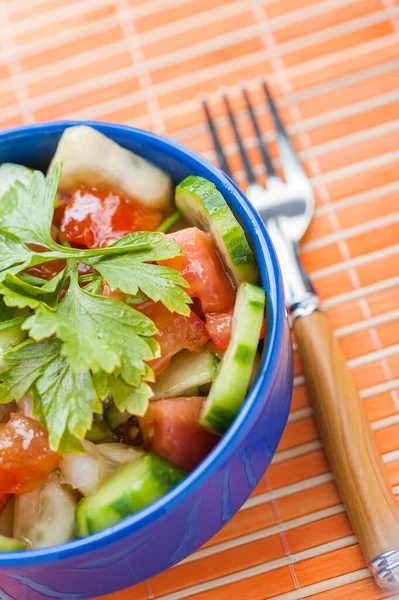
{"x": 223, "y": 164}
{"x": 262, "y": 145}
{"x": 293, "y": 170}
{"x": 243, "y": 153}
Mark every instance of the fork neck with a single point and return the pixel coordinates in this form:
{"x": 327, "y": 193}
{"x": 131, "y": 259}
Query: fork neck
{"x": 300, "y": 296}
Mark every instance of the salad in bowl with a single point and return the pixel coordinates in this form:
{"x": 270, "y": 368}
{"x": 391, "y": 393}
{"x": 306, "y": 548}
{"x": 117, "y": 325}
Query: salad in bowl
{"x": 131, "y": 325}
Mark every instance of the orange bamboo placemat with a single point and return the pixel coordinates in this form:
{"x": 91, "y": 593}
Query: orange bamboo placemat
{"x": 333, "y": 65}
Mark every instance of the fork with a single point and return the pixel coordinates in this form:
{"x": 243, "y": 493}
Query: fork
{"x": 286, "y": 206}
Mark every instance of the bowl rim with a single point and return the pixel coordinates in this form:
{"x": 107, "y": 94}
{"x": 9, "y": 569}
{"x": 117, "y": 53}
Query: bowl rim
{"x": 255, "y": 402}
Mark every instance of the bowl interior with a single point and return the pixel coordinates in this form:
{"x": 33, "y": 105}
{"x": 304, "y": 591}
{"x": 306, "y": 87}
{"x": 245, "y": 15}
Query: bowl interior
{"x": 34, "y": 146}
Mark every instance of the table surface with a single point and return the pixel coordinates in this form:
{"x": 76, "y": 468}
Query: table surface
{"x": 333, "y": 65}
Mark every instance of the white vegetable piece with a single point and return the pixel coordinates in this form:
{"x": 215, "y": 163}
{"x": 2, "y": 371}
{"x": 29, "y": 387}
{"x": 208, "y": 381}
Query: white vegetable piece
{"x": 91, "y": 158}
{"x": 85, "y": 472}
{"x": 82, "y": 471}
{"x": 45, "y": 517}
{"x": 26, "y": 405}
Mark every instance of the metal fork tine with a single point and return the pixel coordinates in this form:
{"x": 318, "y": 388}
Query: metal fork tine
{"x": 262, "y": 145}
{"x": 216, "y": 142}
{"x": 289, "y": 160}
{"x": 244, "y": 156}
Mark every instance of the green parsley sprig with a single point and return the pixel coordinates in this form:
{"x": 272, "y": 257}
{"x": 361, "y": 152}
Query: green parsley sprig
{"x": 85, "y": 346}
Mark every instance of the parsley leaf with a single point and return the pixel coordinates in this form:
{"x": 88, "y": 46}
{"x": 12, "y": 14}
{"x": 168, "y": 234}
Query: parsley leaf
{"x": 19, "y": 293}
{"x": 26, "y": 363}
{"x": 10, "y": 174}
{"x": 63, "y": 399}
{"x": 27, "y": 212}
{"x": 6, "y": 313}
{"x": 14, "y": 256}
{"x": 133, "y": 272}
{"x": 98, "y": 332}
{"x": 86, "y": 346}
{"x": 133, "y": 400}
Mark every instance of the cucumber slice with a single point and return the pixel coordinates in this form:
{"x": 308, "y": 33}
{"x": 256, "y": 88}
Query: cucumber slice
{"x": 91, "y": 158}
{"x": 187, "y": 371}
{"x": 202, "y": 205}
{"x": 85, "y": 472}
{"x": 130, "y": 489}
{"x": 45, "y": 517}
{"x": 10, "y": 544}
{"x": 231, "y": 384}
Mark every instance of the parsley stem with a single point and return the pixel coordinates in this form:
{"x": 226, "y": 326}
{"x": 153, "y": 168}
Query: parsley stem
{"x": 12, "y": 322}
{"x": 63, "y": 252}
{"x": 89, "y": 277}
{"x": 169, "y": 222}
{"x": 31, "y": 279}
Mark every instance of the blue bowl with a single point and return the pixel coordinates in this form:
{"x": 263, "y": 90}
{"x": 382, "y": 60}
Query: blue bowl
{"x": 176, "y": 525}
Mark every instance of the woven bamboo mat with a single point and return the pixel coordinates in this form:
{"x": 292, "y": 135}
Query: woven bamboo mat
{"x": 333, "y": 65}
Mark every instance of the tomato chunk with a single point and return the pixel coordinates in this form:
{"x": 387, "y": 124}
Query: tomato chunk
{"x": 176, "y": 332}
{"x": 95, "y": 217}
{"x": 47, "y": 270}
{"x": 26, "y": 460}
{"x": 219, "y": 325}
{"x": 171, "y": 429}
{"x": 202, "y": 268}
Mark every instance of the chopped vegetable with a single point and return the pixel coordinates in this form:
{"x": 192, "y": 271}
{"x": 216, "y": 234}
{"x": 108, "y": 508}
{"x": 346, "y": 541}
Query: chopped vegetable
{"x": 25, "y": 457}
{"x": 176, "y": 332}
{"x": 219, "y": 325}
{"x": 64, "y": 399}
{"x": 202, "y": 268}
{"x": 105, "y": 329}
{"x": 10, "y": 544}
{"x": 95, "y": 217}
{"x": 130, "y": 489}
{"x": 186, "y": 372}
{"x": 171, "y": 429}
{"x": 45, "y": 517}
{"x": 85, "y": 472}
{"x": 90, "y": 158}
{"x": 204, "y": 206}
{"x": 230, "y": 386}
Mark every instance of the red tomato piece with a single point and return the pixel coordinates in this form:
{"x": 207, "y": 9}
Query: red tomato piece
{"x": 176, "y": 332}
{"x": 219, "y": 326}
{"x": 95, "y": 217}
{"x": 171, "y": 429}
{"x": 202, "y": 268}
{"x": 63, "y": 199}
{"x": 26, "y": 460}
{"x": 47, "y": 270}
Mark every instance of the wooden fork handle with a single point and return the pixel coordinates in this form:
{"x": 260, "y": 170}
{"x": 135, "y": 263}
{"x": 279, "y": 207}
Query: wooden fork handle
{"x": 349, "y": 444}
